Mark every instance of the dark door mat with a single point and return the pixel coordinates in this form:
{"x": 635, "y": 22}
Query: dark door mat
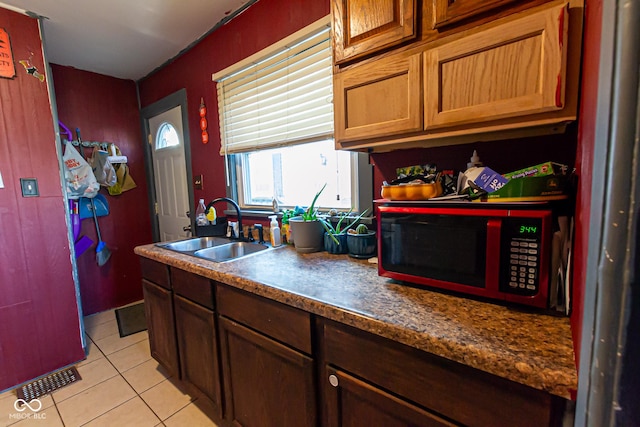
{"x": 48, "y": 383}
{"x": 131, "y": 319}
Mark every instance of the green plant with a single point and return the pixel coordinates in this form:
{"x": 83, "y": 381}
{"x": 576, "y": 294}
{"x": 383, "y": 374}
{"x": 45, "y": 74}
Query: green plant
{"x": 338, "y": 229}
{"x": 362, "y": 229}
{"x": 287, "y": 215}
{"x": 311, "y": 214}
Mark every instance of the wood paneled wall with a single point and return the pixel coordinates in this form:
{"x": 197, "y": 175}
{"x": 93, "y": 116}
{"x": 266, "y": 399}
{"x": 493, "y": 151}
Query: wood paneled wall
{"x": 39, "y": 327}
{"x": 106, "y": 109}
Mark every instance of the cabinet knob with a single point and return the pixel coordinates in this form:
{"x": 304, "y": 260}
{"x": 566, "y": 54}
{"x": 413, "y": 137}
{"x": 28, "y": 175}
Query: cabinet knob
{"x": 333, "y": 380}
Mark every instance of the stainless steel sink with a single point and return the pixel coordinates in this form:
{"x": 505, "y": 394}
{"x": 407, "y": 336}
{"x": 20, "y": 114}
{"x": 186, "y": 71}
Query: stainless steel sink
{"x": 217, "y": 249}
{"x": 230, "y": 251}
{"x": 191, "y": 245}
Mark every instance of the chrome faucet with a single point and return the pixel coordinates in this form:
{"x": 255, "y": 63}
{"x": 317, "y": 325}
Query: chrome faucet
{"x": 238, "y": 213}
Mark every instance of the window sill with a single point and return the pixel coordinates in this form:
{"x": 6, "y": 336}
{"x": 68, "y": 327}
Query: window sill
{"x": 253, "y": 213}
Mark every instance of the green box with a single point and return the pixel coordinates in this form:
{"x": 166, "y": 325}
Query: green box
{"x": 535, "y": 188}
{"x": 543, "y": 169}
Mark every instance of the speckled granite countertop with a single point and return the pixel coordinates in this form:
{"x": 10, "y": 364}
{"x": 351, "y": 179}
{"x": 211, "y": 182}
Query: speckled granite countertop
{"x": 531, "y": 349}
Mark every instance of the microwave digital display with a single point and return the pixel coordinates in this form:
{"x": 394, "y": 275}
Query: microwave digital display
{"x": 528, "y": 229}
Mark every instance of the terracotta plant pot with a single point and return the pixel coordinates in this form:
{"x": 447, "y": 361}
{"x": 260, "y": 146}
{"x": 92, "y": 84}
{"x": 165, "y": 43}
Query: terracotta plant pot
{"x": 334, "y": 248}
{"x": 362, "y": 245}
{"x": 308, "y": 236}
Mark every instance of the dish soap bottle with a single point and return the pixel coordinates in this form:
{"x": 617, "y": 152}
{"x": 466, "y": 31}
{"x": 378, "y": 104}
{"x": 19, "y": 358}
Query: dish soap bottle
{"x": 201, "y": 217}
{"x": 274, "y": 232}
{"x": 212, "y": 215}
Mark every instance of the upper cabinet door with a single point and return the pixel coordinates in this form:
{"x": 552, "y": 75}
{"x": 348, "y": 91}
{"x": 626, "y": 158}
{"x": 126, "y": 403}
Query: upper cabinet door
{"x": 378, "y": 99}
{"x": 446, "y": 12}
{"x": 361, "y": 27}
{"x": 513, "y": 69}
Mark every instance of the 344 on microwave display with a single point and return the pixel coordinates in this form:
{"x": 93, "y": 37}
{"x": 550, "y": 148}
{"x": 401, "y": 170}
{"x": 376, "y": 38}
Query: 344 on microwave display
{"x": 516, "y": 253}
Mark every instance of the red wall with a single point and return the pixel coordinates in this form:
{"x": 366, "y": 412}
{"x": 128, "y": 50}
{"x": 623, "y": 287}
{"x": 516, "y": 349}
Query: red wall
{"x": 584, "y": 160}
{"x": 261, "y": 25}
{"x": 39, "y": 327}
{"x": 106, "y": 109}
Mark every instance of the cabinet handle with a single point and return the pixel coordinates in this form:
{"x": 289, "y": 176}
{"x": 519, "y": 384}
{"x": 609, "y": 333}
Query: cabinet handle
{"x": 333, "y": 380}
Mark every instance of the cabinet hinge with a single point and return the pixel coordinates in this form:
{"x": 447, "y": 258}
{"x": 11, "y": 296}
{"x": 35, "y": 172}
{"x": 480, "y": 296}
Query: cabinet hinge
{"x": 156, "y": 207}
{"x": 149, "y": 139}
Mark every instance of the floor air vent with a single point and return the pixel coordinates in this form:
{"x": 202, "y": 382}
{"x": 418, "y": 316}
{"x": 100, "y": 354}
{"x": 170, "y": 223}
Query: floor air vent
{"x": 48, "y": 383}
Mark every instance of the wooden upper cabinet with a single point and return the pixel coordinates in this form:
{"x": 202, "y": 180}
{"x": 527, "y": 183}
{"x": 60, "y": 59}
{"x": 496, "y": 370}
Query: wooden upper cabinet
{"x": 379, "y": 99}
{"x": 362, "y": 27}
{"x": 446, "y": 12}
{"x": 514, "y": 69}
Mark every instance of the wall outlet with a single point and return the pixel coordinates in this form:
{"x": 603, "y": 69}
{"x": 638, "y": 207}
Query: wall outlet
{"x": 29, "y": 187}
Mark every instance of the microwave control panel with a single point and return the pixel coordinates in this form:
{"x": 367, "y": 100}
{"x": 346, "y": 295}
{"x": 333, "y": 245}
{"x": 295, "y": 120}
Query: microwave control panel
{"x": 520, "y": 256}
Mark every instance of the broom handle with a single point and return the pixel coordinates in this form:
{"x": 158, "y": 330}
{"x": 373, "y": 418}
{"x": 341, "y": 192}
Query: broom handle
{"x": 95, "y": 219}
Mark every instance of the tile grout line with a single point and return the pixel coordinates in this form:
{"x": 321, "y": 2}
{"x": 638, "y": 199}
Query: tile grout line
{"x": 55, "y": 404}
{"x": 125, "y": 380}
{"x": 138, "y": 365}
{"x": 107, "y": 355}
{"x": 134, "y": 390}
{"x": 96, "y": 314}
{"x": 138, "y": 394}
{"x": 87, "y": 364}
{"x": 118, "y": 373}
{"x": 117, "y": 406}
{"x": 58, "y": 411}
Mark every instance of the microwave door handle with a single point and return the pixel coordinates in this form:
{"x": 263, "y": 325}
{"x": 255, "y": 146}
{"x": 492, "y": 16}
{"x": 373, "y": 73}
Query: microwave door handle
{"x": 492, "y": 267}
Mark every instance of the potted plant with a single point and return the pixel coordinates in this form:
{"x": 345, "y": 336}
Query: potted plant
{"x": 361, "y": 242}
{"x": 335, "y": 237}
{"x": 307, "y": 229}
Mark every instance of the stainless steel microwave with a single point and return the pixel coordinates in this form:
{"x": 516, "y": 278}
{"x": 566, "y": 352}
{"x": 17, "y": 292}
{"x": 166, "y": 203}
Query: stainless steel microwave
{"x": 504, "y": 252}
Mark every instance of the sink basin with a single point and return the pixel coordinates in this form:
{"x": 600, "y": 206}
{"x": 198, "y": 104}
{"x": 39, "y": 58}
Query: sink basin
{"x": 195, "y": 244}
{"x": 230, "y": 251}
{"x": 217, "y": 249}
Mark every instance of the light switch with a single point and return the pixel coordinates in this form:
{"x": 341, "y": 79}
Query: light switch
{"x": 1, "y": 181}
{"x": 29, "y": 187}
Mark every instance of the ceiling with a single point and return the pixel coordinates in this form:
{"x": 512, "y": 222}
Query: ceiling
{"x": 124, "y": 38}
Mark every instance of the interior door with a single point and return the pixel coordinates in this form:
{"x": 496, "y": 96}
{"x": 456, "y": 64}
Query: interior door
{"x": 168, "y": 158}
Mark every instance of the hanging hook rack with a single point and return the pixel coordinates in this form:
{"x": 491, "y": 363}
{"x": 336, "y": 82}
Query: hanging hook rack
{"x": 88, "y": 144}
{"x": 104, "y": 146}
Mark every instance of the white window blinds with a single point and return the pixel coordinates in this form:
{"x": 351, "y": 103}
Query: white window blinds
{"x": 282, "y": 98}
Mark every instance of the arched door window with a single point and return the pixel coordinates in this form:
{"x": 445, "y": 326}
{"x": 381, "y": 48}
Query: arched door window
{"x": 167, "y": 136}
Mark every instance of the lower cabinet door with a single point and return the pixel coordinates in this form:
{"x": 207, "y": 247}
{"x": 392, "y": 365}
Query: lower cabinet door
{"x": 266, "y": 383}
{"x": 355, "y": 403}
{"x": 196, "y": 334}
{"x": 158, "y": 306}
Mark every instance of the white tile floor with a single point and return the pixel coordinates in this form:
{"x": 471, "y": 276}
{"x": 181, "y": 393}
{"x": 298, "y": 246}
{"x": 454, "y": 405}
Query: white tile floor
{"x": 121, "y": 386}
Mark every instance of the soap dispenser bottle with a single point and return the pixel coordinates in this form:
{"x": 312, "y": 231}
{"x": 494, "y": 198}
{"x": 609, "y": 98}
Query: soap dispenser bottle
{"x": 274, "y": 232}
